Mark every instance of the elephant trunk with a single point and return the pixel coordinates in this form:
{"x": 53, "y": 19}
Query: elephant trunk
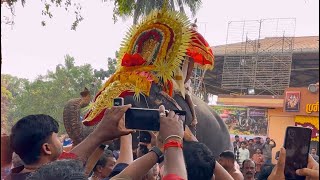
{"x": 71, "y": 118}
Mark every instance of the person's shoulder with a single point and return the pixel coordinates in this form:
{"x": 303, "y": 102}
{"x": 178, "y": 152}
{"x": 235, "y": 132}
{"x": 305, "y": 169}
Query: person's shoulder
{"x": 237, "y": 175}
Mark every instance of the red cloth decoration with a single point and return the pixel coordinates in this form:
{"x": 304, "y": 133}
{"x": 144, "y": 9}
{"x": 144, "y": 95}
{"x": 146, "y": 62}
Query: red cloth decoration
{"x": 172, "y": 177}
{"x": 98, "y": 118}
{"x": 67, "y": 155}
{"x": 170, "y": 85}
{"x": 129, "y": 60}
{"x": 168, "y": 88}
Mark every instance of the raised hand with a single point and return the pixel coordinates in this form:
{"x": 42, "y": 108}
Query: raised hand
{"x": 278, "y": 171}
{"x": 112, "y": 124}
{"x": 312, "y": 170}
{"x": 170, "y": 125}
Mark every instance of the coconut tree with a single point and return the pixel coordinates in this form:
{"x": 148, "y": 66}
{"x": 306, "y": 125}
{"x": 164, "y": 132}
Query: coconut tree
{"x": 140, "y": 8}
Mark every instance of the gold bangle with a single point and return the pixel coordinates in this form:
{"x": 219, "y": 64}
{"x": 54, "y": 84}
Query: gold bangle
{"x": 173, "y": 136}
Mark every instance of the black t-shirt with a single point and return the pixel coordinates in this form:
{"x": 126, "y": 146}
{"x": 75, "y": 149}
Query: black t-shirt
{"x": 16, "y": 175}
{"x": 117, "y": 170}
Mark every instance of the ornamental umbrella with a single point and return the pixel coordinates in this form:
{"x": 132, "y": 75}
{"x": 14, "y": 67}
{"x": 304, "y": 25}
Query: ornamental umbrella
{"x": 200, "y": 51}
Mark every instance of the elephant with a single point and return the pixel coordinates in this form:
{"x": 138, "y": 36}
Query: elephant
{"x": 210, "y": 130}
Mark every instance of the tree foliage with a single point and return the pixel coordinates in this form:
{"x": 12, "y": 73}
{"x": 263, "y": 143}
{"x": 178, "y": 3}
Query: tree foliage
{"x": 112, "y": 63}
{"x": 122, "y": 8}
{"x": 48, "y": 5}
{"x": 139, "y": 8}
{"x": 6, "y": 97}
{"x": 11, "y": 87}
{"x": 47, "y": 94}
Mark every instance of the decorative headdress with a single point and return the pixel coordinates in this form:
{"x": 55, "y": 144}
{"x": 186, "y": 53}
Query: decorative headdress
{"x": 150, "y": 52}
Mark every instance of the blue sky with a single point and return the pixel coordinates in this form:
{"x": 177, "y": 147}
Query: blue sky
{"x": 30, "y": 49}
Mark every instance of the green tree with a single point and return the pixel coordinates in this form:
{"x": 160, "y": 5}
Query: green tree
{"x": 139, "y": 8}
{"x": 112, "y": 65}
{"x": 11, "y": 87}
{"x": 122, "y": 8}
{"x": 6, "y": 97}
{"x": 48, "y": 94}
{"x": 14, "y": 84}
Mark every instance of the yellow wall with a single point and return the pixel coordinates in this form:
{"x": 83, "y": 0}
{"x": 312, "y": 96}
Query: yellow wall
{"x": 312, "y": 121}
{"x": 277, "y": 127}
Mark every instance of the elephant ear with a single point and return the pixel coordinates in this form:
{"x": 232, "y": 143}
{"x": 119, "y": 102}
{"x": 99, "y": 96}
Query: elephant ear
{"x": 150, "y": 53}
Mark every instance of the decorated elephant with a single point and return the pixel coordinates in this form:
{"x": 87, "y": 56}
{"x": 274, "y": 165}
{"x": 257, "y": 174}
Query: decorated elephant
{"x": 153, "y": 68}
{"x": 211, "y": 129}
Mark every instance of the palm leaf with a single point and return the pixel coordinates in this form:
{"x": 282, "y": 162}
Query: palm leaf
{"x": 194, "y": 5}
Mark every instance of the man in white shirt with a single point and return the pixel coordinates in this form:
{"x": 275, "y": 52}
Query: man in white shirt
{"x": 243, "y": 153}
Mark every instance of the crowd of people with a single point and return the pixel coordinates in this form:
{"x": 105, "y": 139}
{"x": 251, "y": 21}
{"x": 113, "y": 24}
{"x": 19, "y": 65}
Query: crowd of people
{"x": 253, "y": 149}
{"x": 171, "y": 154}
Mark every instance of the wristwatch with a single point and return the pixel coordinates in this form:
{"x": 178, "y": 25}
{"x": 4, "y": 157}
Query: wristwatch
{"x": 158, "y": 153}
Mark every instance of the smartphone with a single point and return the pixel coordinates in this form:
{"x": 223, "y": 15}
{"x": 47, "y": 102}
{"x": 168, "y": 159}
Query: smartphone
{"x": 297, "y": 144}
{"x": 145, "y": 137}
{"x": 182, "y": 116}
{"x": 142, "y": 119}
{"x": 146, "y": 119}
{"x": 118, "y": 101}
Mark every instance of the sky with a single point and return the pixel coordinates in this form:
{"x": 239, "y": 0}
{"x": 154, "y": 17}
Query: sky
{"x": 29, "y": 49}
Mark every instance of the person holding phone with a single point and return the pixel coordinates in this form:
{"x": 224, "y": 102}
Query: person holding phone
{"x": 144, "y": 143}
{"x": 48, "y": 147}
{"x": 311, "y": 172}
{"x": 171, "y": 133}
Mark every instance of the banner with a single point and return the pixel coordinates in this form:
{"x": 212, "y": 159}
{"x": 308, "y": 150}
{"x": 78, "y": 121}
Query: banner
{"x": 242, "y": 121}
{"x": 311, "y": 122}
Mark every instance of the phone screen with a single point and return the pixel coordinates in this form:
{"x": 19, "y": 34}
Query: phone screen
{"x": 297, "y": 143}
{"x": 142, "y": 119}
